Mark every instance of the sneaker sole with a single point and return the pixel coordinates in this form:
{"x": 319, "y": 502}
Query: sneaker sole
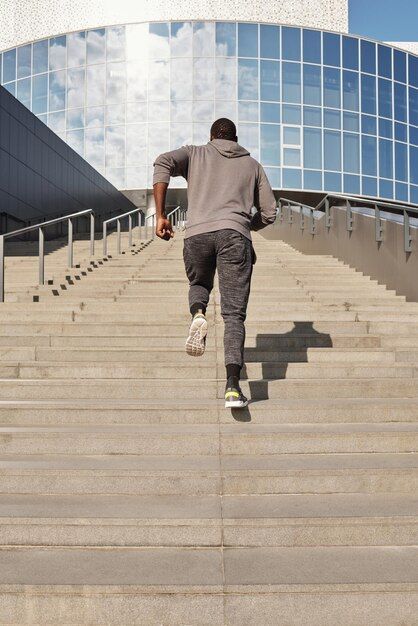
{"x": 195, "y": 342}
{"x": 230, "y": 404}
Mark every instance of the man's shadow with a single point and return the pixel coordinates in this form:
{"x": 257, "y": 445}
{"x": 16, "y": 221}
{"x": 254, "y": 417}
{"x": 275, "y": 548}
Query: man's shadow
{"x": 275, "y": 352}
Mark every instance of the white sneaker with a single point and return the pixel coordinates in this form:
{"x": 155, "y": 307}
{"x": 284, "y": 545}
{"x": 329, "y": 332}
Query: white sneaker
{"x": 196, "y": 341}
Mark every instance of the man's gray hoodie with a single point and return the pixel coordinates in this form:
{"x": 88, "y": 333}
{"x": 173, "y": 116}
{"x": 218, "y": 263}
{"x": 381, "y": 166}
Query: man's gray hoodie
{"x": 223, "y": 184}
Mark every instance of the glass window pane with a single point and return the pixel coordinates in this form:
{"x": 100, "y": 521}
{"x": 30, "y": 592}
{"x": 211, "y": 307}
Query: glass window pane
{"x": 311, "y": 46}
{"x": 273, "y": 175}
{"x": 115, "y": 146}
{"x": 136, "y": 36}
{"x": 270, "y": 112}
{"x": 181, "y": 41}
{"x": 350, "y": 53}
{"x": 413, "y": 106}
{"x": 384, "y": 55}
{"x": 23, "y": 91}
{"x": 385, "y": 128}
{"x": 369, "y": 155}
{"x": 56, "y": 121}
{"x": 331, "y": 49}
{"x": 182, "y": 78}
{"x": 401, "y": 132}
{"x": 351, "y": 183}
{"x": 312, "y": 180}
{"x": 413, "y": 70}
{"x": 413, "y": 135}
{"x": 224, "y": 108}
{"x": 203, "y": 39}
{"x": 332, "y": 88}
{"x": 291, "y": 114}
{"x": 203, "y": 111}
{"x": 96, "y": 49}
{"x": 180, "y": 135}
{"x": 401, "y": 161}
{"x": 386, "y": 188}
{"x": 226, "y": 39}
{"x": 385, "y": 158}
{"x": 400, "y": 102}
{"x": 40, "y": 93}
{"x": 312, "y": 116}
{"x": 413, "y": 164}
{"x": 291, "y": 157}
{"x": 269, "y": 41}
{"x": 181, "y": 111}
{"x": 76, "y": 49}
{"x": 116, "y": 113}
{"x": 225, "y": 79}
{"x": 40, "y": 57}
{"x": 11, "y": 88}
{"x": 9, "y": 65}
{"x": 136, "y": 112}
{"x": 270, "y": 144}
{"x": 158, "y": 79}
{"x": 136, "y": 177}
{"x": 75, "y": 87}
{"x": 332, "y": 182}
{"x": 136, "y": 81}
{"x": 351, "y": 122}
{"x": 368, "y": 56}
{"x": 75, "y": 118}
{"x": 248, "y": 137}
{"x": 95, "y": 93}
{"x": 136, "y": 144}
{"x": 24, "y": 61}
{"x": 368, "y": 94}
{"x": 291, "y": 136}
{"x": 94, "y": 117}
{"x": 291, "y": 82}
{"x": 75, "y": 140}
{"x": 115, "y": 43}
{"x": 312, "y": 84}
{"x": 57, "y": 90}
{"x": 351, "y": 153}
{"x": 350, "y": 91}
{"x": 385, "y": 97}
{"x": 57, "y": 52}
{"x": 203, "y": 79}
{"x": 158, "y": 40}
{"x": 368, "y": 125}
{"x": 292, "y": 179}
{"x": 116, "y": 82}
{"x": 201, "y": 133}
{"x": 399, "y": 63}
{"x": 332, "y": 150}
{"x": 248, "y": 111}
{"x": 312, "y": 148}
{"x": 270, "y": 80}
{"x": 94, "y": 147}
{"x": 401, "y": 192}
{"x": 369, "y": 186}
{"x": 247, "y": 79}
{"x": 291, "y": 43}
{"x": 248, "y": 40}
{"x": 332, "y": 119}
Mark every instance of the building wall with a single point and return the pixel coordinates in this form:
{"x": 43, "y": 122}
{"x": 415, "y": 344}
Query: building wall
{"x": 27, "y": 20}
{"x": 410, "y": 46}
{"x": 41, "y": 176}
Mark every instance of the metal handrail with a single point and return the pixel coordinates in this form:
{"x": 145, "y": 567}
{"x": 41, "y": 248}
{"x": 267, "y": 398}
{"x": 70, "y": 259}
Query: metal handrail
{"x": 150, "y": 217}
{"x": 117, "y": 218}
{"x": 40, "y": 227}
{"x": 324, "y": 205}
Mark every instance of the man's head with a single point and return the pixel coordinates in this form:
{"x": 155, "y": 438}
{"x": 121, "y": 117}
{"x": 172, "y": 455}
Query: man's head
{"x": 223, "y": 129}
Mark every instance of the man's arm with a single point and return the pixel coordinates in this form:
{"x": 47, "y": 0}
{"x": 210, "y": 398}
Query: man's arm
{"x": 264, "y": 202}
{"x": 174, "y": 163}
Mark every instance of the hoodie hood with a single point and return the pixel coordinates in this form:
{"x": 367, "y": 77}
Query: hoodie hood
{"x": 228, "y": 149}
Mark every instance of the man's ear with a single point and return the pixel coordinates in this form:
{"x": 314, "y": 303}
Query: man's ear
{"x": 236, "y": 138}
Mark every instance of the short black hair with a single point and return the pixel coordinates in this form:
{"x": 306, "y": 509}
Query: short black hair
{"x": 223, "y": 129}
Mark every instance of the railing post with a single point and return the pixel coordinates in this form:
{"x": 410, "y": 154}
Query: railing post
{"x": 327, "y": 214}
{"x": 349, "y": 216}
{"x": 70, "y": 242}
{"x": 407, "y": 232}
{"x": 1, "y": 268}
{"x": 41, "y": 257}
{"x": 146, "y": 226}
{"x": 301, "y": 218}
{"x": 153, "y": 225}
{"x": 118, "y": 236}
{"x": 378, "y": 224}
{"x": 104, "y": 239}
{"x": 91, "y": 234}
{"x": 312, "y": 216}
{"x": 289, "y": 213}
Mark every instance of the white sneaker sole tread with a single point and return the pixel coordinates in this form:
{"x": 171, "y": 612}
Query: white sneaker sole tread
{"x": 195, "y": 342}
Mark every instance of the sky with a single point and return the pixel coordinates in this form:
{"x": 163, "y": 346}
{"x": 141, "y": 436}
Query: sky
{"x": 388, "y": 20}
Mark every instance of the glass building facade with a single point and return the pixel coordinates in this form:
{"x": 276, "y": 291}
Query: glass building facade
{"x": 320, "y": 110}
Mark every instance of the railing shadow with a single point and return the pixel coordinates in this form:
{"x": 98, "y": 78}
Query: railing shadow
{"x": 270, "y": 350}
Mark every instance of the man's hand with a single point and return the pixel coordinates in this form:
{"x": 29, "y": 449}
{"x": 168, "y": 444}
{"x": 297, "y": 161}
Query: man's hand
{"x": 164, "y": 229}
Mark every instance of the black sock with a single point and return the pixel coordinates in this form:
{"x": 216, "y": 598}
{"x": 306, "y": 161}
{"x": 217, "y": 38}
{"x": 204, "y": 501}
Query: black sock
{"x": 197, "y": 306}
{"x": 232, "y": 374}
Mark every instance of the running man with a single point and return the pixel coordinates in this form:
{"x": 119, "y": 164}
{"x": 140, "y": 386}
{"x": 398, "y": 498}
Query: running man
{"x": 223, "y": 184}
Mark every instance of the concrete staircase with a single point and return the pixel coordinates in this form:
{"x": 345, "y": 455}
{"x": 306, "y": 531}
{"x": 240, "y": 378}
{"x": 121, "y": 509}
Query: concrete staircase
{"x": 128, "y": 495}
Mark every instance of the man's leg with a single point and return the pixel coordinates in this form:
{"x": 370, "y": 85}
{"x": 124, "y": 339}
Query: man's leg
{"x": 200, "y": 263}
{"x": 234, "y": 263}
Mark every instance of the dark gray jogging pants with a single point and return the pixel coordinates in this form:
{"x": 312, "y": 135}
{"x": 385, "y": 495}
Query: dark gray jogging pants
{"x": 233, "y": 256}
